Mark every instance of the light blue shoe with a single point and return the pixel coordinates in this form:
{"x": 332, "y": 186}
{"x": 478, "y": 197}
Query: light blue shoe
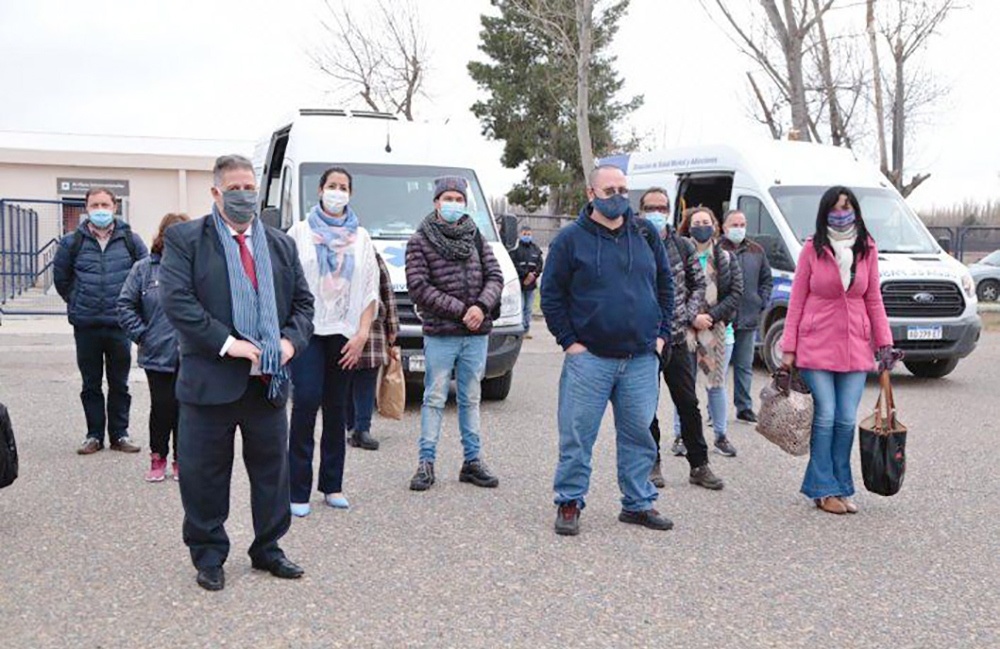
{"x": 301, "y": 509}
{"x": 337, "y": 502}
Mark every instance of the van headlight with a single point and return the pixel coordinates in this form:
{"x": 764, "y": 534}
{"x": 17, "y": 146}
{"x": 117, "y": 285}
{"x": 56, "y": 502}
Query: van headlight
{"x": 510, "y": 301}
{"x": 968, "y": 285}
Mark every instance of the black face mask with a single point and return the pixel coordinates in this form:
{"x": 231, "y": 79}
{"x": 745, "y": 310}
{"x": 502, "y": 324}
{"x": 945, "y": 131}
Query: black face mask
{"x": 702, "y": 233}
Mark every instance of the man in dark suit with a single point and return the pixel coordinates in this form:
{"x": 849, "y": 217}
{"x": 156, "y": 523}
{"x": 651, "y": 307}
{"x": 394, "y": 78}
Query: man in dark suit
{"x": 234, "y": 290}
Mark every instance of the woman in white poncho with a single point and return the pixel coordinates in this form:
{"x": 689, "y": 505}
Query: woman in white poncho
{"x": 339, "y": 263}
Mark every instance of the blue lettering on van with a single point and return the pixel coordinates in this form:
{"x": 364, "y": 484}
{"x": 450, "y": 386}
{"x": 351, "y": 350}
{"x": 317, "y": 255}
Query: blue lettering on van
{"x": 781, "y": 290}
{"x": 395, "y": 256}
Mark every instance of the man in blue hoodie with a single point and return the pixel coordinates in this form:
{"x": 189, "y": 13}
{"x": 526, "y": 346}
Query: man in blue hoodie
{"x": 607, "y": 296}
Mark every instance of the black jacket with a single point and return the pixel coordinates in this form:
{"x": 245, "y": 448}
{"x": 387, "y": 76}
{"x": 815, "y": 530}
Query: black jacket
{"x": 194, "y": 289}
{"x": 527, "y": 258}
{"x": 757, "y": 282}
{"x": 141, "y": 316}
{"x": 90, "y": 282}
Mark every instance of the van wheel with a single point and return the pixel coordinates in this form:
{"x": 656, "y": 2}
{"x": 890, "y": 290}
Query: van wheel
{"x": 771, "y": 349}
{"x": 932, "y": 369}
{"x": 498, "y": 388}
{"x": 988, "y": 291}
{"x": 414, "y": 393}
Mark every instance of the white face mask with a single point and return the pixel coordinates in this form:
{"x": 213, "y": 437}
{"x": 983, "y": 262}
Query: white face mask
{"x": 334, "y": 200}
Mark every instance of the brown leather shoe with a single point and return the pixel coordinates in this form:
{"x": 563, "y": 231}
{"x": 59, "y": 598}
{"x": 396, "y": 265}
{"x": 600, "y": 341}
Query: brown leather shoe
{"x": 831, "y": 504}
{"x": 125, "y": 445}
{"x": 849, "y": 505}
{"x": 90, "y": 446}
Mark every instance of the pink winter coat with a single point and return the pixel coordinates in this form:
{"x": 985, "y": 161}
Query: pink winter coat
{"x": 828, "y": 328}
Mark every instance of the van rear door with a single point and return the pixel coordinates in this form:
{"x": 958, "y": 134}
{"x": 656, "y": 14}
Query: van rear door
{"x": 275, "y": 186}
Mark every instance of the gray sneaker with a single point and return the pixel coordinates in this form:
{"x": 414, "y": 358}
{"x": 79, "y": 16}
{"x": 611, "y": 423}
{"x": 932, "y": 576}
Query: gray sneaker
{"x": 724, "y": 447}
{"x": 656, "y": 476}
{"x": 678, "y": 448}
{"x": 703, "y": 477}
{"x": 424, "y": 477}
{"x": 568, "y": 519}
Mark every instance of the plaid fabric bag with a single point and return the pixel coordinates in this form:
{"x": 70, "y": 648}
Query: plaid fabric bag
{"x": 384, "y": 326}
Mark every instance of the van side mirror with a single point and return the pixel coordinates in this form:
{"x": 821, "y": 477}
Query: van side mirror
{"x": 508, "y": 231}
{"x": 271, "y": 216}
{"x": 945, "y": 242}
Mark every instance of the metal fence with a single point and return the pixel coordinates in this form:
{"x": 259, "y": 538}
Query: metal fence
{"x": 968, "y": 243}
{"x": 30, "y": 230}
{"x": 544, "y": 226}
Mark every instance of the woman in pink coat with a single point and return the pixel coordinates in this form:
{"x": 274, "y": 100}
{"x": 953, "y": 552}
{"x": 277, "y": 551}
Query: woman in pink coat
{"x": 835, "y": 320}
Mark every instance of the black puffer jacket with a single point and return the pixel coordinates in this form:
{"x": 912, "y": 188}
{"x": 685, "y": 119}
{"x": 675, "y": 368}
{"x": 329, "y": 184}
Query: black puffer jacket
{"x": 443, "y": 290}
{"x": 90, "y": 282}
{"x": 527, "y": 258}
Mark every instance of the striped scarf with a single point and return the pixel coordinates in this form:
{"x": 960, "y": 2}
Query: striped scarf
{"x": 255, "y": 313}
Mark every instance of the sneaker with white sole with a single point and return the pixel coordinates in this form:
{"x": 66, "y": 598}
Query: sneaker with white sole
{"x": 724, "y": 447}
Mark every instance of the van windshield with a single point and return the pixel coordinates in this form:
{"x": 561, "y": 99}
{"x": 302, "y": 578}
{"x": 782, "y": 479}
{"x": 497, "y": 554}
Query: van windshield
{"x": 392, "y": 200}
{"x": 890, "y": 221}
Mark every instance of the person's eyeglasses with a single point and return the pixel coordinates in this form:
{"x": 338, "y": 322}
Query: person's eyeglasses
{"x": 611, "y": 191}
{"x": 662, "y": 209}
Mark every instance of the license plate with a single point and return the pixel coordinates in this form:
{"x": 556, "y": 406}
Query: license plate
{"x": 416, "y": 364}
{"x": 924, "y": 333}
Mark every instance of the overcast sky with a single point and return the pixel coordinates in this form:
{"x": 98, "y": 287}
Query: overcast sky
{"x": 231, "y": 69}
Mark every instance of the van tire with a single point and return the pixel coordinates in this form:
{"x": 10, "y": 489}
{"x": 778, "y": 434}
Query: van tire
{"x": 771, "y": 349}
{"x": 932, "y": 369}
{"x": 497, "y": 389}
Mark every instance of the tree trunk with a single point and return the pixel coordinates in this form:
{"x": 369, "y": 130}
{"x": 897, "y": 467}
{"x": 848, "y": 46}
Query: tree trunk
{"x": 883, "y": 159}
{"x": 898, "y": 118}
{"x": 837, "y": 135}
{"x": 584, "y": 30}
{"x": 797, "y": 87}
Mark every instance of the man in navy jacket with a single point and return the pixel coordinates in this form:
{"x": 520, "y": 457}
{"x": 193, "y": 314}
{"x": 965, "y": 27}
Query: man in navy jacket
{"x": 89, "y": 269}
{"x": 607, "y": 296}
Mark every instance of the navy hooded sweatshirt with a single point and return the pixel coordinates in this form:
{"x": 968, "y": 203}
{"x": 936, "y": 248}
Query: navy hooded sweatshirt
{"x": 611, "y": 291}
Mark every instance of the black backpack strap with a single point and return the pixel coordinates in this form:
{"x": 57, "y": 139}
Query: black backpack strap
{"x": 74, "y": 247}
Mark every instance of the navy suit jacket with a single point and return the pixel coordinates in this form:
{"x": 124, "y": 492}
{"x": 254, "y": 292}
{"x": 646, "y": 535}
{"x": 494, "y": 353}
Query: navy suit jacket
{"x": 194, "y": 288}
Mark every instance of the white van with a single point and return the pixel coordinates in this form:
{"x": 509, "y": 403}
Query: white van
{"x": 929, "y": 296}
{"x": 393, "y": 164}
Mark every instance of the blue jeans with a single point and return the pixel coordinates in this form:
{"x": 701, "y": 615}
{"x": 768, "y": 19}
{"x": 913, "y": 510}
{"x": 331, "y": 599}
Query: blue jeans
{"x": 466, "y": 355}
{"x": 527, "y": 306}
{"x": 587, "y": 383}
{"x": 836, "y": 396}
{"x": 743, "y": 369}
{"x": 718, "y": 408}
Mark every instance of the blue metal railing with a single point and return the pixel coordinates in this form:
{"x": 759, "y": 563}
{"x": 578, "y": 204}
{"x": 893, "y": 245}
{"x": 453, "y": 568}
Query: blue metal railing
{"x": 18, "y": 249}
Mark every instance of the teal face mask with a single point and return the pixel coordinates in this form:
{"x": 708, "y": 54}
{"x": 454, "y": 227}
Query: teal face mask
{"x": 452, "y": 211}
{"x": 101, "y": 218}
{"x": 657, "y": 219}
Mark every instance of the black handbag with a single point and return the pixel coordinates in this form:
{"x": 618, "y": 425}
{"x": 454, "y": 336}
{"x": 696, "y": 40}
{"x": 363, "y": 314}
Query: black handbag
{"x": 882, "y": 438}
{"x": 8, "y": 450}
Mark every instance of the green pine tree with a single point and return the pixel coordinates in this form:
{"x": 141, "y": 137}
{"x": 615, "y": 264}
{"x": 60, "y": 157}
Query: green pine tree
{"x": 531, "y": 83}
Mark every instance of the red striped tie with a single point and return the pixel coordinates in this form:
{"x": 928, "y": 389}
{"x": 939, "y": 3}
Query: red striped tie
{"x": 247, "y": 259}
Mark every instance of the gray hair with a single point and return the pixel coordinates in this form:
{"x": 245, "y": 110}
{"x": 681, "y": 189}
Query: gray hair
{"x": 592, "y": 176}
{"x": 730, "y": 213}
{"x": 226, "y": 163}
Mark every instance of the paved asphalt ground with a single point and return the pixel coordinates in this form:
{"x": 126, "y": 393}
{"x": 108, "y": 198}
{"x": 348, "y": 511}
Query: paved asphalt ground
{"x": 91, "y": 556}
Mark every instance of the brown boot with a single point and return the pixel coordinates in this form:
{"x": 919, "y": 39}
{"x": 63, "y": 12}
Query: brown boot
{"x": 831, "y": 504}
{"x": 656, "y": 476}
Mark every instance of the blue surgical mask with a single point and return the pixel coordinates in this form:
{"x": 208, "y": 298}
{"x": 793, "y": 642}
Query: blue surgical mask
{"x": 736, "y": 235}
{"x": 657, "y": 219}
{"x": 452, "y": 211}
{"x": 526, "y": 239}
{"x": 613, "y": 207}
{"x": 240, "y": 205}
{"x": 702, "y": 233}
{"x": 101, "y": 218}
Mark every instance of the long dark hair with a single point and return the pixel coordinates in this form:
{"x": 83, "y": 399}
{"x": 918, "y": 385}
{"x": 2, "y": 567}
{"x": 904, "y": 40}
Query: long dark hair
{"x": 829, "y": 200}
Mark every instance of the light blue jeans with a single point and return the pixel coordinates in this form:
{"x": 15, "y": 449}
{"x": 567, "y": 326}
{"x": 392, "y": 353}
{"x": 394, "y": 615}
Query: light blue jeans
{"x": 718, "y": 408}
{"x": 527, "y": 306}
{"x": 836, "y": 396}
{"x": 466, "y": 355}
{"x": 587, "y": 383}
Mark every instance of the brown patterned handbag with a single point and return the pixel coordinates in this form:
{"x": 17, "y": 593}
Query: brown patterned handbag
{"x": 786, "y": 412}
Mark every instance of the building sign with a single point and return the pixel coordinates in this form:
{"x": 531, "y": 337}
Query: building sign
{"x": 80, "y": 186}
